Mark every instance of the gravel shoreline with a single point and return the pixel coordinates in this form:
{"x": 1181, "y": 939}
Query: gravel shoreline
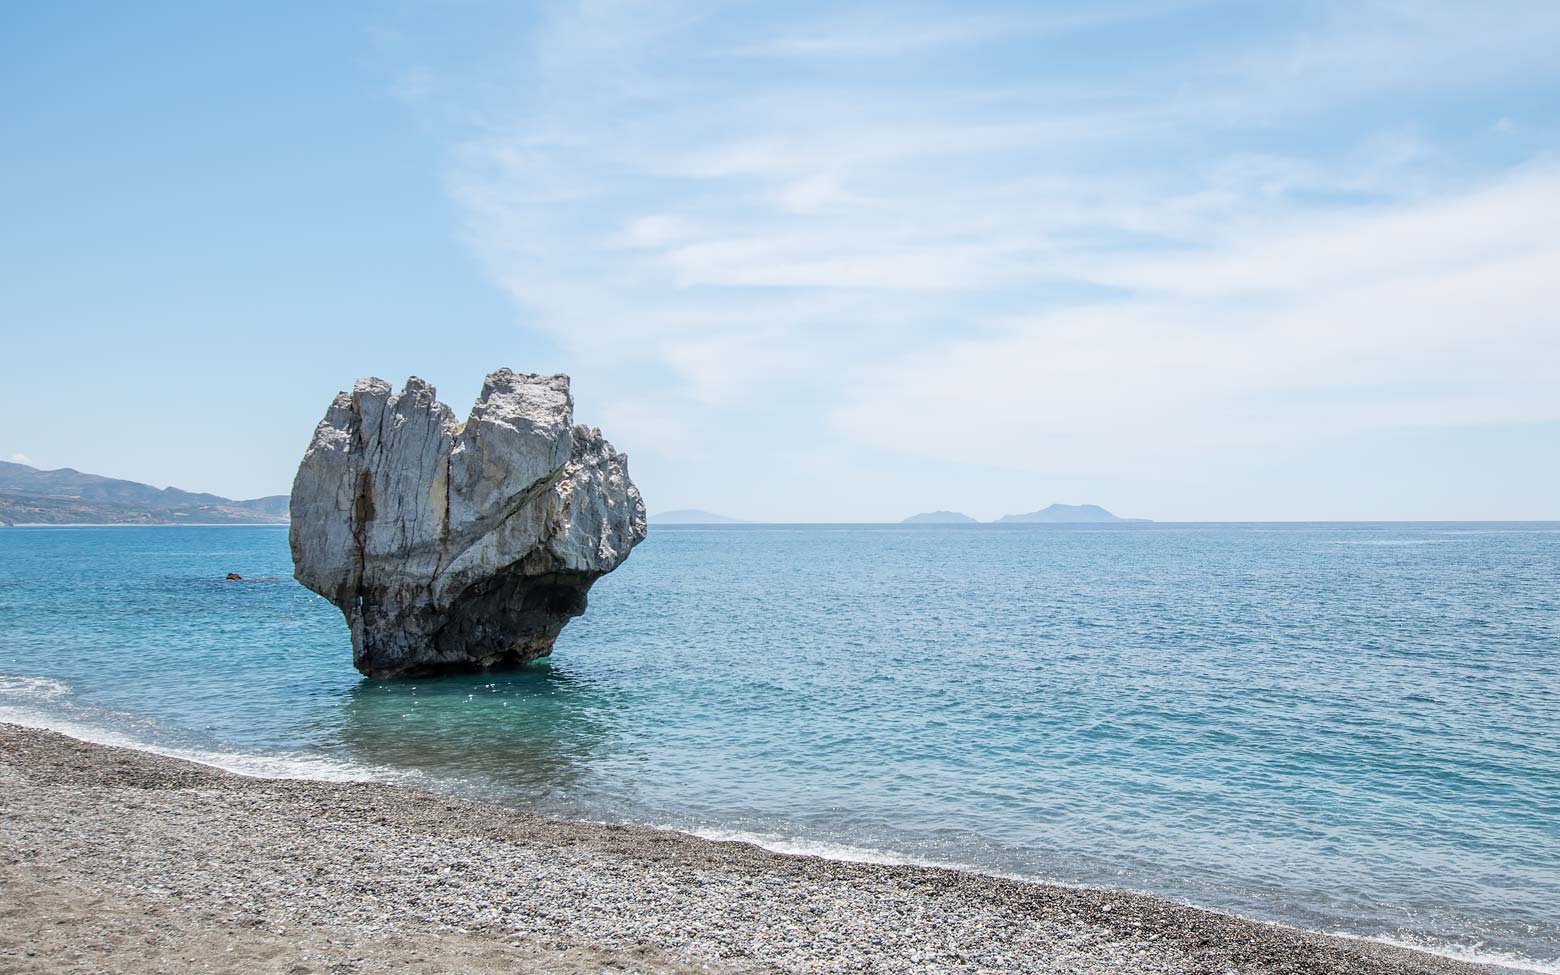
{"x": 113, "y": 860}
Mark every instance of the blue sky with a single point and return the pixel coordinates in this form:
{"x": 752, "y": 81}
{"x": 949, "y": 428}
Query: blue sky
{"x": 808, "y": 262}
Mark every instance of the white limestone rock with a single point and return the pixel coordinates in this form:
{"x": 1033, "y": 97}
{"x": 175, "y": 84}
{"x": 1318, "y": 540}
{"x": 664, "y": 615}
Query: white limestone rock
{"x": 453, "y": 546}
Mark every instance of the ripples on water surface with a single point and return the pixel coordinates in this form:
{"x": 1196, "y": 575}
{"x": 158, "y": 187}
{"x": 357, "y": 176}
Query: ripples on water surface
{"x": 1347, "y": 727}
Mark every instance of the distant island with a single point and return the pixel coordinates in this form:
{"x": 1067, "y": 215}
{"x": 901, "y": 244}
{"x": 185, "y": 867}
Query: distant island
{"x": 29, "y": 496}
{"x": 1056, "y": 514}
{"x": 1067, "y": 514}
{"x": 940, "y": 518}
{"x": 693, "y": 516}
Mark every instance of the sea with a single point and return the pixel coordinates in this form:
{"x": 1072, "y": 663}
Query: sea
{"x": 1350, "y": 728}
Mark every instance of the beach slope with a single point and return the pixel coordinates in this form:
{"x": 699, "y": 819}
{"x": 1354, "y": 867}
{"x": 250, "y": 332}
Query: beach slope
{"x": 114, "y": 860}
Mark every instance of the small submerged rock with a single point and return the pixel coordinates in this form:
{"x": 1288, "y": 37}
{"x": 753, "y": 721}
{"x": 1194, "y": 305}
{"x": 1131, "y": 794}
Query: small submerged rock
{"x": 451, "y": 546}
{"x": 233, "y": 577}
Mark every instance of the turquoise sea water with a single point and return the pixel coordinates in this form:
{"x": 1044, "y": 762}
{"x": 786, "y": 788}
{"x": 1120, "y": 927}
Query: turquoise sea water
{"x": 1351, "y": 728}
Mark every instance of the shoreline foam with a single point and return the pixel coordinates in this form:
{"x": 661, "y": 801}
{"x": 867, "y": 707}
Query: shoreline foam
{"x": 324, "y": 770}
{"x": 719, "y": 906}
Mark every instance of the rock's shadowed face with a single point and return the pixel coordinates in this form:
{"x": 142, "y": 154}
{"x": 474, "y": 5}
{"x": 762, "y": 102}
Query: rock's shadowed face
{"x": 450, "y": 546}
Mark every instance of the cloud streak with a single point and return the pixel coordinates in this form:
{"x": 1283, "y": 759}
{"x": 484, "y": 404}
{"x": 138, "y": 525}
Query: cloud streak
{"x": 1205, "y": 243}
{"x": 1435, "y": 314}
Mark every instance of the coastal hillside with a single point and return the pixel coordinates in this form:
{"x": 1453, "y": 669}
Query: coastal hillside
{"x": 939, "y": 518}
{"x": 29, "y": 496}
{"x": 1067, "y": 514}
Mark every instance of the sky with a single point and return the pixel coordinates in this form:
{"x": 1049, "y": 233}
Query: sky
{"x": 807, "y": 262}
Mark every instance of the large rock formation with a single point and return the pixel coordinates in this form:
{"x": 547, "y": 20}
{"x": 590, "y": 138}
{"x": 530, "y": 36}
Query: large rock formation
{"x": 452, "y": 546}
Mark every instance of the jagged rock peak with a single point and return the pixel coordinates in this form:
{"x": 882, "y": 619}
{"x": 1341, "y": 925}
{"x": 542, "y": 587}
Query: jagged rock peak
{"x": 451, "y": 546}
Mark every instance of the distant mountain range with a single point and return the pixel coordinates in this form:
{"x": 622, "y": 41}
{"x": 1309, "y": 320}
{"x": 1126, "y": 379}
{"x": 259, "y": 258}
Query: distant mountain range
{"x": 69, "y": 497}
{"x": 1056, "y": 514}
{"x": 29, "y": 496}
{"x": 693, "y": 516}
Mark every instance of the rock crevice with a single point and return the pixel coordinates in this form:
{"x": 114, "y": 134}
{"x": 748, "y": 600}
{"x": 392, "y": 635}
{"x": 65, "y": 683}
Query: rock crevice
{"x": 451, "y": 546}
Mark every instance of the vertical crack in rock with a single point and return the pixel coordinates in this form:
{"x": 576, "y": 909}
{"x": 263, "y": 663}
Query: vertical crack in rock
{"x": 453, "y": 546}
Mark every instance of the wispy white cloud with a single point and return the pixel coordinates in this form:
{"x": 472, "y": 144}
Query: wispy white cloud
{"x": 1430, "y": 314}
{"x": 21, "y": 458}
{"x": 415, "y": 85}
{"x": 1206, "y": 242}
{"x": 887, "y": 32}
{"x": 1379, "y": 47}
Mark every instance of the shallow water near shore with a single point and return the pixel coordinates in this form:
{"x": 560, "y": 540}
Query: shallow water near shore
{"x": 1350, "y": 728}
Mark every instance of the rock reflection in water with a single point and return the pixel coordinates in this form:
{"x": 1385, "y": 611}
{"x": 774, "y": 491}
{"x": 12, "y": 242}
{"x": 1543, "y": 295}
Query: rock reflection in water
{"x": 525, "y": 737}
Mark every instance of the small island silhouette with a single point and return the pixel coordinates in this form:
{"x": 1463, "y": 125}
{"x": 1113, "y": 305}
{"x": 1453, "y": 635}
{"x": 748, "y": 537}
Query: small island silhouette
{"x": 1056, "y": 514}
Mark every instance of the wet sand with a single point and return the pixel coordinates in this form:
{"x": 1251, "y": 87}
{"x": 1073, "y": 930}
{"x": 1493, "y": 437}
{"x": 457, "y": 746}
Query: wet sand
{"x": 113, "y": 860}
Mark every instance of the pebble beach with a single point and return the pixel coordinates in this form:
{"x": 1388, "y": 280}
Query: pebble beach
{"x": 114, "y": 860}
